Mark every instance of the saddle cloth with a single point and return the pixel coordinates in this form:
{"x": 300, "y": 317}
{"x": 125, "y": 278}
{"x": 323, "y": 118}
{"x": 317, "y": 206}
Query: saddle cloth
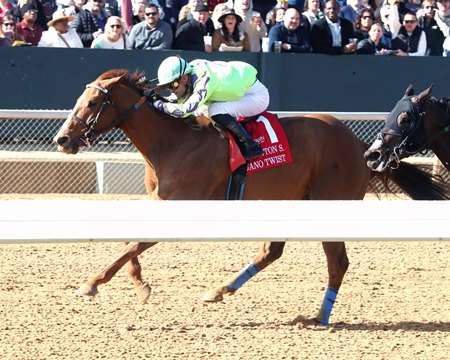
{"x": 269, "y": 134}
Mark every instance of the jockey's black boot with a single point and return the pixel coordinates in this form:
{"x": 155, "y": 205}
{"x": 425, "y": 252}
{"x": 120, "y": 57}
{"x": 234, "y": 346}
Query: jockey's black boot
{"x": 250, "y": 148}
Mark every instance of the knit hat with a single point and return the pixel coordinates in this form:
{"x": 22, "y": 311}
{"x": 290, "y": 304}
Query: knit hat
{"x": 27, "y": 7}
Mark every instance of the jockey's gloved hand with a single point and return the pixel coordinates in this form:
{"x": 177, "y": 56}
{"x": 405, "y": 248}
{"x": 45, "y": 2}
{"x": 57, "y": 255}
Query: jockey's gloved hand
{"x": 150, "y": 94}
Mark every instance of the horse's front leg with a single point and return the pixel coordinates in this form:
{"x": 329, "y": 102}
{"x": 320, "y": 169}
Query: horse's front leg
{"x": 337, "y": 261}
{"x": 142, "y": 287}
{"x": 270, "y": 252}
{"x": 130, "y": 253}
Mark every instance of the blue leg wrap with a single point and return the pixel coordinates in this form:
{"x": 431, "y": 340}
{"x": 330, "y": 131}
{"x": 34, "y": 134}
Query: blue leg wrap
{"x": 244, "y": 275}
{"x": 327, "y": 305}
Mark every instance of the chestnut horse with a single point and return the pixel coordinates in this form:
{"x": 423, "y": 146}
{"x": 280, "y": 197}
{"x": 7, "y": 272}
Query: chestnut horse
{"x": 417, "y": 123}
{"x": 182, "y": 164}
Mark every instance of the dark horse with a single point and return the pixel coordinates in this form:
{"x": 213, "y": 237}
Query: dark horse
{"x": 417, "y": 123}
{"x": 184, "y": 164}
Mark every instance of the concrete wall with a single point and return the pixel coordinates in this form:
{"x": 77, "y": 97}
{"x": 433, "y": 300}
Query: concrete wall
{"x": 40, "y": 78}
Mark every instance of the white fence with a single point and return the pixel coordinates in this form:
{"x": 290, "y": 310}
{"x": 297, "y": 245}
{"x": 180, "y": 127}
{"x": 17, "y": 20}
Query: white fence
{"x": 116, "y": 221}
{"x": 30, "y": 163}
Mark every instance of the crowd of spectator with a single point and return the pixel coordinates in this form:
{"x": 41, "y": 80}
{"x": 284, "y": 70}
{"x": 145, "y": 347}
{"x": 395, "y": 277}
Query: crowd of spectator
{"x": 374, "y": 27}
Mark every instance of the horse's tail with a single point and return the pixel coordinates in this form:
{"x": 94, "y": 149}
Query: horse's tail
{"x": 413, "y": 180}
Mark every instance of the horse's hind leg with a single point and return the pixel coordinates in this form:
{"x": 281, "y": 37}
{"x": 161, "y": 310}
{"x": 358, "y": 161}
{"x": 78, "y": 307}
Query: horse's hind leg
{"x": 337, "y": 261}
{"x": 270, "y": 252}
{"x": 130, "y": 253}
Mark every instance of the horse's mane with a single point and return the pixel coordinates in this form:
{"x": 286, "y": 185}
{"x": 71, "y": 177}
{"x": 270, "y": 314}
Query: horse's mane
{"x": 135, "y": 79}
{"x": 442, "y": 103}
{"x": 138, "y": 81}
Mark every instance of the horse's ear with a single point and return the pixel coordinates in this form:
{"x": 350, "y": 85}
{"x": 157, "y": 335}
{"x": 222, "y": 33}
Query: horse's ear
{"x": 121, "y": 78}
{"x": 419, "y": 99}
{"x": 409, "y": 91}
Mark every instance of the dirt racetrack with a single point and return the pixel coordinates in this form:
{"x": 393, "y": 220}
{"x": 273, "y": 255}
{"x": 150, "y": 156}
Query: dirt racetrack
{"x": 394, "y": 304}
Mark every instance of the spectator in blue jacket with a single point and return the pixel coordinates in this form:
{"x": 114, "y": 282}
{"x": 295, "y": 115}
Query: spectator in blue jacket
{"x": 293, "y": 33}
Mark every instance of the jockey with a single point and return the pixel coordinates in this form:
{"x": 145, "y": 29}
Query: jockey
{"x": 225, "y": 89}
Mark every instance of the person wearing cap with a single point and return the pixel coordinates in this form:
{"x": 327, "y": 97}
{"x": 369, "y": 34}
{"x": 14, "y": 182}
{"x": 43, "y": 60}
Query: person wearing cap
{"x": 28, "y": 28}
{"x": 230, "y": 37}
{"x": 59, "y": 34}
{"x": 41, "y": 19}
{"x": 190, "y": 36}
{"x": 226, "y": 90}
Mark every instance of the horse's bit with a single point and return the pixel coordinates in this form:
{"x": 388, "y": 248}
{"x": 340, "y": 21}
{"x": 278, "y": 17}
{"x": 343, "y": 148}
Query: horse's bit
{"x": 91, "y": 133}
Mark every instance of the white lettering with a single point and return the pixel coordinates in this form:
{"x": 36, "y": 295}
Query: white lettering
{"x": 273, "y": 160}
{"x": 255, "y": 165}
{"x": 270, "y": 150}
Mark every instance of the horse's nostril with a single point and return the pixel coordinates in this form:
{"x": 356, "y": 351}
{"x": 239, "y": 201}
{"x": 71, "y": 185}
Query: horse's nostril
{"x": 62, "y": 140}
{"x": 372, "y": 155}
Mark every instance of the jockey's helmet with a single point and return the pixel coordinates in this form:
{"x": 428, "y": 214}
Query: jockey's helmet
{"x": 172, "y": 69}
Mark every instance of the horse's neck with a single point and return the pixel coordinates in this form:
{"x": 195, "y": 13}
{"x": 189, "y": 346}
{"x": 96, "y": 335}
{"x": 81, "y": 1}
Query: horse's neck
{"x": 440, "y": 140}
{"x": 441, "y": 147}
{"x": 152, "y": 134}
{"x": 184, "y": 164}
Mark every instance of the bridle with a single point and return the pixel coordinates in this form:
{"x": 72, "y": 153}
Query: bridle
{"x": 91, "y": 132}
{"x": 414, "y": 139}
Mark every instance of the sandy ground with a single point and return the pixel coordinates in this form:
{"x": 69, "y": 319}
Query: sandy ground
{"x": 394, "y": 304}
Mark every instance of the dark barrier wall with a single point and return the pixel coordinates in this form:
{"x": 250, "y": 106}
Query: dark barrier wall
{"x": 44, "y": 78}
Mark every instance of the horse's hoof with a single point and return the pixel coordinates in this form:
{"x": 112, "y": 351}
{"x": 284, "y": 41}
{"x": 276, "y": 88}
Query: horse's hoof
{"x": 304, "y": 321}
{"x": 143, "y": 293}
{"x": 86, "y": 290}
{"x": 216, "y": 295}
{"x": 213, "y": 295}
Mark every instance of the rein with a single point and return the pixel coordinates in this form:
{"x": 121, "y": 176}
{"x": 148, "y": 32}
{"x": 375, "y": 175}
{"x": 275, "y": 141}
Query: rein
{"x": 91, "y": 133}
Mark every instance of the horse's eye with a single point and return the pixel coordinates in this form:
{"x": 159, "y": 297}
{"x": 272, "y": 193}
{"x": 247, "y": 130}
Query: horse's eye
{"x": 92, "y": 103}
{"x": 405, "y": 122}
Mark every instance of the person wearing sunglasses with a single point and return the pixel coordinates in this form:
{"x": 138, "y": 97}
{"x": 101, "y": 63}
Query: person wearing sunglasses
{"x": 8, "y": 32}
{"x": 363, "y": 23}
{"x": 114, "y": 36}
{"x": 59, "y": 34}
{"x": 41, "y": 19}
{"x": 222, "y": 90}
{"x": 410, "y": 40}
{"x": 90, "y": 22}
{"x": 152, "y": 33}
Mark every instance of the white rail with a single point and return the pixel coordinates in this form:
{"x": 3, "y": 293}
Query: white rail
{"x": 62, "y": 221}
{"x": 62, "y": 114}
